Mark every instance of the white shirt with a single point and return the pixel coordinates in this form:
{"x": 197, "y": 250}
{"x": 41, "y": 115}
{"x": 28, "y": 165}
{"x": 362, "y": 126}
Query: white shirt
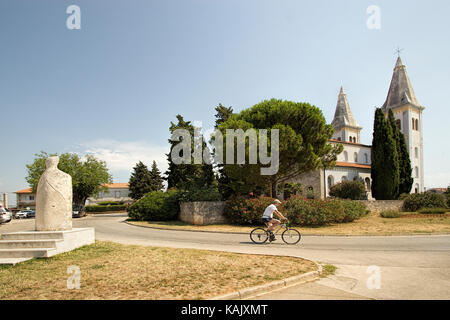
{"x": 268, "y": 213}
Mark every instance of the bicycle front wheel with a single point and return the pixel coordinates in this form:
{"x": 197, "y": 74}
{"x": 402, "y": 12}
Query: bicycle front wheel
{"x": 291, "y": 236}
{"x": 259, "y": 236}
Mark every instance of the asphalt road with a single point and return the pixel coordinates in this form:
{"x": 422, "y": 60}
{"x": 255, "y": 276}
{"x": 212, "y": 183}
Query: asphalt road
{"x": 410, "y": 267}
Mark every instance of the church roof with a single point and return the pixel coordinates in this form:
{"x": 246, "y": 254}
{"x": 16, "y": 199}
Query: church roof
{"x": 343, "y": 116}
{"x": 400, "y": 91}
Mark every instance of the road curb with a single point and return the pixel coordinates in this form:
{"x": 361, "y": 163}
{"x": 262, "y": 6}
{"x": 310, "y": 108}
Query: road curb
{"x": 303, "y": 234}
{"x": 268, "y": 287}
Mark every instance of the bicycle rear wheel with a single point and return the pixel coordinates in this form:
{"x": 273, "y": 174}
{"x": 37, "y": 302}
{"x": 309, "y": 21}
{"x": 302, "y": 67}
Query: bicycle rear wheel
{"x": 291, "y": 236}
{"x": 259, "y": 236}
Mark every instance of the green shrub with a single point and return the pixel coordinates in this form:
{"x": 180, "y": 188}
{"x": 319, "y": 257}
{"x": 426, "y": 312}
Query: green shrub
{"x": 155, "y": 206}
{"x": 353, "y": 190}
{"x": 417, "y": 201}
{"x": 307, "y": 212}
{"x": 245, "y": 211}
{"x": 390, "y": 214}
{"x": 98, "y": 208}
{"x": 203, "y": 194}
{"x": 110, "y": 203}
{"x": 433, "y": 210}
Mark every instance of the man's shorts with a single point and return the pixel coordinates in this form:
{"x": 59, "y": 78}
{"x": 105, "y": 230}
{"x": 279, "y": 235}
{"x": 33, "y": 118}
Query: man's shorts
{"x": 265, "y": 220}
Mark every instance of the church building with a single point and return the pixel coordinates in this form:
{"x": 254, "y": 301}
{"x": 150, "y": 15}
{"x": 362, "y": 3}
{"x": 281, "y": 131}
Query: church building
{"x": 354, "y": 163}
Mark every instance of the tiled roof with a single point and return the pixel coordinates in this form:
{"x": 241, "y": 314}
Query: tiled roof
{"x": 28, "y": 190}
{"x": 351, "y": 143}
{"x": 109, "y": 186}
{"x": 352, "y": 165}
{"x": 117, "y": 185}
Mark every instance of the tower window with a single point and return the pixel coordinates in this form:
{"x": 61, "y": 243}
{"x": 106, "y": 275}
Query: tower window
{"x": 355, "y": 156}
{"x": 399, "y": 124}
{"x": 417, "y": 172}
{"x": 366, "y": 157}
{"x": 413, "y": 124}
{"x": 417, "y": 124}
{"x": 416, "y": 152}
{"x": 345, "y": 156}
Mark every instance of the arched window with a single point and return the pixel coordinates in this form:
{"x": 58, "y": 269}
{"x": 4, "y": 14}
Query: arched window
{"x": 416, "y": 152}
{"x": 310, "y": 192}
{"x": 354, "y": 139}
{"x": 339, "y": 139}
{"x": 366, "y": 157}
{"x": 417, "y": 172}
{"x": 350, "y": 138}
{"x": 413, "y": 124}
{"x": 417, "y": 188}
{"x": 345, "y": 156}
{"x": 355, "y": 156}
{"x": 417, "y": 124}
{"x": 367, "y": 181}
{"x": 330, "y": 181}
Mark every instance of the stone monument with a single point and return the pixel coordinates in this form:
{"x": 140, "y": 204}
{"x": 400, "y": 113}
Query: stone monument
{"x": 54, "y": 199}
{"x": 53, "y": 232}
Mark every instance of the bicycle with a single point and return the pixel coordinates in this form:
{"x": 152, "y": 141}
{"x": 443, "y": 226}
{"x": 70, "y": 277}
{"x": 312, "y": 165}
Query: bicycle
{"x": 289, "y": 236}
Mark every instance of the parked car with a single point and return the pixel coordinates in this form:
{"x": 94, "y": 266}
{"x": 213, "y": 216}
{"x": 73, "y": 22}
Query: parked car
{"x": 78, "y": 211}
{"x": 31, "y": 214}
{"x": 5, "y": 215}
{"x": 22, "y": 214}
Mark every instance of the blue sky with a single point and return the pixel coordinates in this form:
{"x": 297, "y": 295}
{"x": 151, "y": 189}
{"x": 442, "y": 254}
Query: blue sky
{"x": 112, "y": 87}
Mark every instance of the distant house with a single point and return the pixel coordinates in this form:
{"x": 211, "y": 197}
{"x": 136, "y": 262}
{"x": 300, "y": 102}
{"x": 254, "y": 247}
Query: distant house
{"x": 116, "y": 192}
{"x": 25, "y": 199}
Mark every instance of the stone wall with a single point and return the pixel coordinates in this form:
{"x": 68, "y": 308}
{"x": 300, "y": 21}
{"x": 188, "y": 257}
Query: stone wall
{"x": 202, "y": 213}
{"x": 382, "y": 205}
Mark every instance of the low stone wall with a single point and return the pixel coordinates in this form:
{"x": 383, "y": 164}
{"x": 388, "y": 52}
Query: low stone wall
{"x": 382, "y": 205}
{"x": 202, "y": 213}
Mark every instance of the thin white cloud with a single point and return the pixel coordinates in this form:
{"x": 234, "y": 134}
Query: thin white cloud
{"x": 122, "y": 156}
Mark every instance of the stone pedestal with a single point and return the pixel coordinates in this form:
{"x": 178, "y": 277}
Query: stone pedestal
{"x": 17, "y": 247}
{"x": 202, "y": 213}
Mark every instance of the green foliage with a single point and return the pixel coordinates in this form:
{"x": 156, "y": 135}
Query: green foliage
{"x": 447, "y": 194}
{"x": 389, "y": 214}
{"x": 433, "y": 210}
{"x": 385, "y": 165}
{"x": 88, "y": 177}
{"x": 405, "y": 170}
{"x": 353, "y": 190}
{"x": 156, "y": 178}
{"x": 185, "y": 176}
{"x": 246, "y": 211}
{"x": 155, "y": 206}
{"x": 417, "y": 201}
{"x": 210, "y": 193}
{"x": 303, "y": 146}
{"x": 140, "y": 181}
{"x": 107, "y": 208}
{"x": 308, "y": 212}
{"x": 110, "y": 203}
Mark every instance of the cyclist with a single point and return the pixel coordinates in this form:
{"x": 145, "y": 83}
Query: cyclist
{"x": 268, "y": 219}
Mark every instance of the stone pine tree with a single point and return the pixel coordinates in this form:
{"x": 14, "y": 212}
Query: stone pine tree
{"x": 156, "y": 178}
{"x": 405, "y": 170}
{"x": 385, "y": 166}
{"x": 140, "y": 181}
{"x": 187, "y": 176}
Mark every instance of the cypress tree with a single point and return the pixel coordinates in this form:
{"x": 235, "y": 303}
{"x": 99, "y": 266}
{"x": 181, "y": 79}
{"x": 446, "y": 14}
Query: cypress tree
{"x": 385, "y": 167}
{"x": 157, "y": 180}
{"x": 405, "y": 170}
{"x": 140, "y": 181}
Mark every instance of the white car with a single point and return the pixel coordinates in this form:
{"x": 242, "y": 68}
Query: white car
{"x": 23, "y": 214}
{"x": 5, "y": 215}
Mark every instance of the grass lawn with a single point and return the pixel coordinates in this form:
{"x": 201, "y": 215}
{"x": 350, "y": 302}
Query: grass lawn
{"x": 372, "y": 224}
{"x": 115, "y": 271}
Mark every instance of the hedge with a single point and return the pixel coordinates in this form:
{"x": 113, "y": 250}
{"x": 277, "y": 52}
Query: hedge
{"x": 353, "y": 190}
{"x": 155, "y": 206}
{"x": 98, "y": 208}
{"x": 417, "y": 201}
{"x": 300, "y": 211}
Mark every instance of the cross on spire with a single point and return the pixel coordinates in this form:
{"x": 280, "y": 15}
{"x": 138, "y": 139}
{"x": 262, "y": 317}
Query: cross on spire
{"x": 398, "y": 51}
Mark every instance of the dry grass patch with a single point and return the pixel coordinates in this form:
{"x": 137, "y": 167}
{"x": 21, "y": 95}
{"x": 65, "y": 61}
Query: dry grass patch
{"x": 115, "y": 271}
{"x": 372, "y": 224}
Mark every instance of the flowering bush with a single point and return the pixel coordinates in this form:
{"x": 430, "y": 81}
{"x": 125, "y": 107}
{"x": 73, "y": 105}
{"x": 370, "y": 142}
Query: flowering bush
{"x": 299, "y": 211}
{"x": 245, "y": 211}
{"x": 417, "y": 201}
